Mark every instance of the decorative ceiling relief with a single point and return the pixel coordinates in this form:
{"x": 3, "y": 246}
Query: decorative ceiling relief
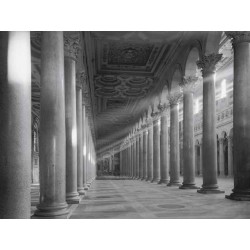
{"x": 122, "y": 86}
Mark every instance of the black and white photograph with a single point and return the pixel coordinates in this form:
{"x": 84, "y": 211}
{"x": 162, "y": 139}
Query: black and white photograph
{"x": 117, "y": 127}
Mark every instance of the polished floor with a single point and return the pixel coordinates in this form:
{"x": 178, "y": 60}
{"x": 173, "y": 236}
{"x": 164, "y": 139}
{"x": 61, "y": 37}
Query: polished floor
{"x": 113, "y": 198}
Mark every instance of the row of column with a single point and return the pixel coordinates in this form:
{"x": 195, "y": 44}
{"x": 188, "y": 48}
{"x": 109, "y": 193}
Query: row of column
{"x": 156, "y": 158}
{"x": 65, "y": 140}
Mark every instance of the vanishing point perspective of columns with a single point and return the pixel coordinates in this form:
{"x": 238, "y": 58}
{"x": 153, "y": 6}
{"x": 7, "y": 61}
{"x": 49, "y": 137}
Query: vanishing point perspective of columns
{"x": 161, "y": 127}
{"x": 67, "y": 153}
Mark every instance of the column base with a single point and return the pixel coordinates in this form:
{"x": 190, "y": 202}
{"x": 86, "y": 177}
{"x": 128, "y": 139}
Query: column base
{"x": 209, "y": 191}
{"x": 73, "y": 198}
{"x": 164, "y": 181}
{"x": 156, "y": 180}
{"x": 59, "y": 211}
{"x": 86, "y": 187}
{"x": 174, "y": 184}
{"x": 239, "y": 195}
{"x": 81, "y": 191}
{"x": 188, "y": 186}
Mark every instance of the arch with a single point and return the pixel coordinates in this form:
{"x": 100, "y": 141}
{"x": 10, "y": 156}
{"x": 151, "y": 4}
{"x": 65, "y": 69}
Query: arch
{"x": 191, "y": 66}
{"x": 176, "y": 79}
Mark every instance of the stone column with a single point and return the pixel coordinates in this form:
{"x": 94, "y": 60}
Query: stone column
{"x": 156, "y": 149}
{"x": 150, "y": 152}
{"x": 80, "y": 187}
{"x": 221, "y": 157}
{"x": 164, "y": 145}
{"x": 188, "y": 86}
{"x": 70, "y": 55}
{"x": 145, "y": 150}
{"x": 129, "y": 158}
{"x": 141, "y": 156}
{"x": 15, "y": 125}
{"x": 132, "y": 158}
{"x": 84, "y": 144}
{"x": 209, "y": 162}
{"x": 174, "y": 140}
{"x": 201, "y": 159}
{"x": 52, "y": 129}
{"x": 230, "y": 156}
{"x": 137, "y": 156}
{"x": 241, "y": 115}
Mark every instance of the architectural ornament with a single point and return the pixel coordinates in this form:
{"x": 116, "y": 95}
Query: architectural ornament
{"x": 71, "y": 47}
{"x": 207, "y": 63}
{"x": 238, "y": 36}
{"x": 174, "y": 98}
{"x": 189, "y": 83}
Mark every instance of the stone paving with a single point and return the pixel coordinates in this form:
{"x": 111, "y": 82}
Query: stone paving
{"x": 135, "y": 199}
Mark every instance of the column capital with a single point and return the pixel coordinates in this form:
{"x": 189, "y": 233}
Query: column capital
{"x": 238, "y": 36}
{"x": 174, "y": 98}
{"x": 207, "y": 63}
{"x": 71, "y": 47}
{"x": 188, "y": 84}
{"x": 162, "y": 108}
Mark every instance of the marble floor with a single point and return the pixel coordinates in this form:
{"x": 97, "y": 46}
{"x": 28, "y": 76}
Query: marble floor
{"x": 113, "y": 198}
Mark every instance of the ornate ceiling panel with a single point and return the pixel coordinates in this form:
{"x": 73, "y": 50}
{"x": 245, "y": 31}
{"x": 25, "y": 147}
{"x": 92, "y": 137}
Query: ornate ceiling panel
{"x": 123, "y": 69}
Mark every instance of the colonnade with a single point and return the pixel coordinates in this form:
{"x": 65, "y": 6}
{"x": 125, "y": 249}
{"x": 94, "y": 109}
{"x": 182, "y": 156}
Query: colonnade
{"x": 241, "y": 131}
{"x": 67, "y": 153}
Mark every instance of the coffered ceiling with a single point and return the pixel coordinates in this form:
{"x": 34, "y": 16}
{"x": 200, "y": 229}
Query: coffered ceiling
{"x": 124, "y": 69}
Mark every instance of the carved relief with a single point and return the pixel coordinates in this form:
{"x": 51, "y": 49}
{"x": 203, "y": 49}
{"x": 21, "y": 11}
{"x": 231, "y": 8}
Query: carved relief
{"x": 207, "y": 63}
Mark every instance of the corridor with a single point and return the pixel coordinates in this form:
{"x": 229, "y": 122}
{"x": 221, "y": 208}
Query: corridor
{"x": 134, "y": 199}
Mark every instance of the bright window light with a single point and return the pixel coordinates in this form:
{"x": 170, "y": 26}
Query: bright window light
{"x": 196, "y": 109}
{"x": 223, "y": 88}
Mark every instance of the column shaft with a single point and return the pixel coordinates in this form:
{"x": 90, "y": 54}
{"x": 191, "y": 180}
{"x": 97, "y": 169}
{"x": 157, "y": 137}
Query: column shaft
{"x": 80, "y": 187}
{"x": 188, "y": 142}
{"x": 241, "y": 116}
{"x": 52, "y": 128}
{"x": 84, "y": 144}
{"x": 72, "y": 195}
{"x": 137, "y": 156}
{"x": 230, "y": 156}
{"x": 150, "y": 154}
{"x": 141, "y": 156}
{"x": 15, "y": 125}
{"x": 145, "y": 150}
{"x": 174, "y": 146}
{"x": 164, "y": 149}
{"x": 156, "y": 151}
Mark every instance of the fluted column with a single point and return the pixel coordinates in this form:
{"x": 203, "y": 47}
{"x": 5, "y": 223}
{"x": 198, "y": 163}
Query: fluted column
{"x": 164, "y": 168}
{"x": 156, "y": 149}
{"x": 230, "y": 156}
{"x": 150, "y": 152}
{"x": 241, "y": 115}
{"x": 141, "y": 156}
{"x": 145, "y": 150}
{"x": 174, "y": 140}
{"x": 52, "y": 128}
{"x": 209, "y": 162}
{"x": 221, "y": 157}
{"x": 80, "y": 187}
{"x": 188, "y": 86}
{"x": 15, "y": 125}
{"x": 70, "y": 55}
